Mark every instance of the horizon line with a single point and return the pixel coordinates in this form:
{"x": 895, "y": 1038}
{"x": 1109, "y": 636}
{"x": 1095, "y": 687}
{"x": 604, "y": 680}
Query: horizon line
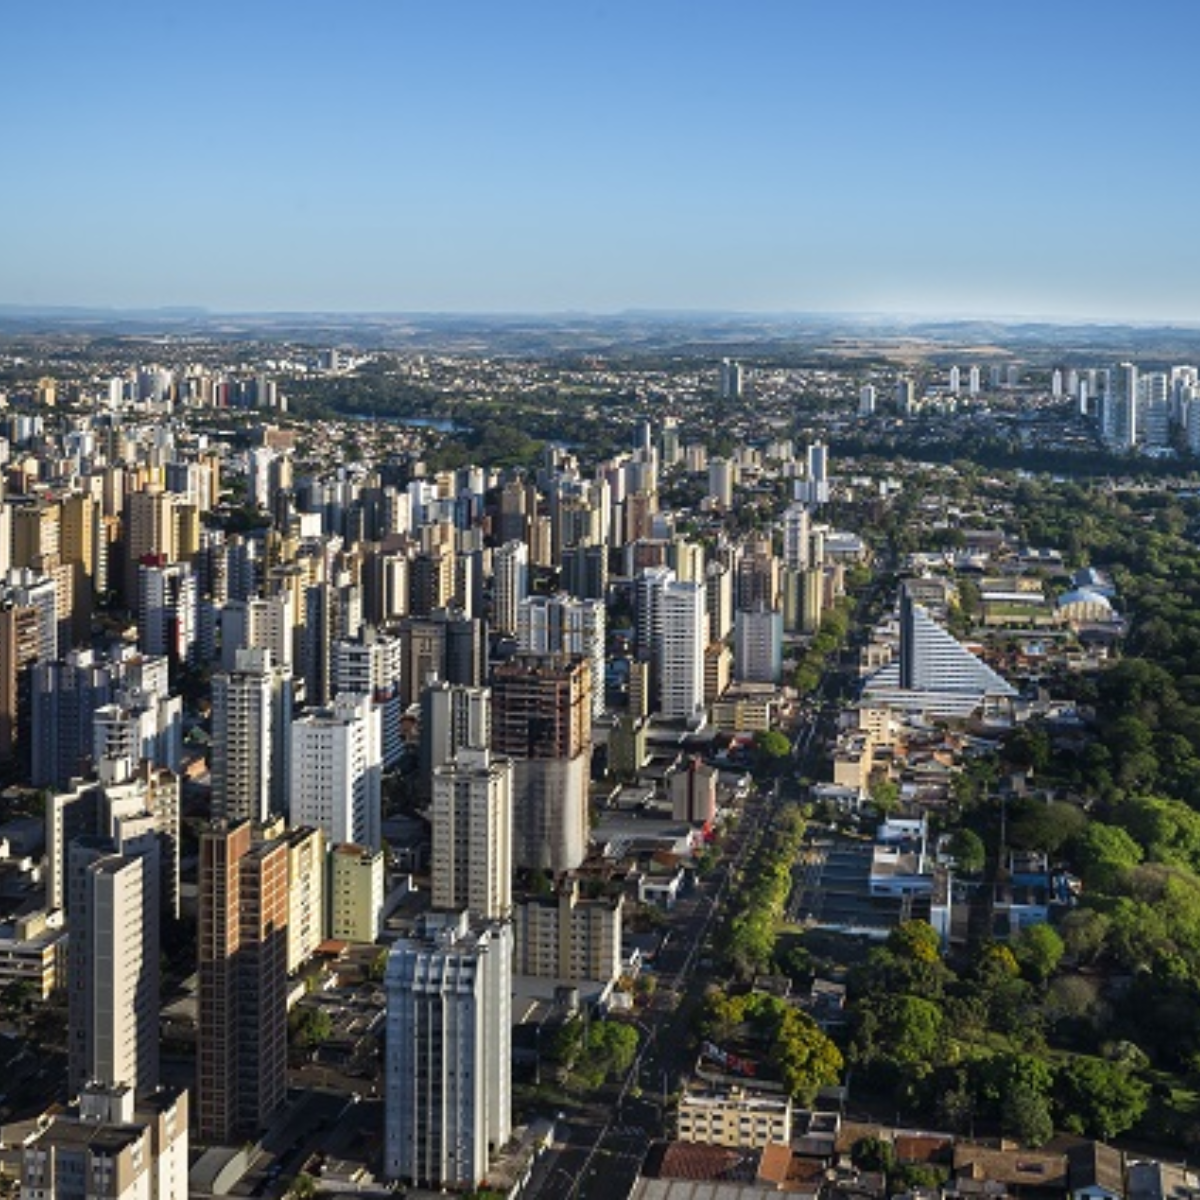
{"x": 198, "y": 311}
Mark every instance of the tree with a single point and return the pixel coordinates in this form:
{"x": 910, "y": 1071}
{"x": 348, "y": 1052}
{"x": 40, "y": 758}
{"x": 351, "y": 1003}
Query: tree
{"x": 311, "y": 1026}
{"x": 771, "y": 749}
{"x": 17, "y": 997}
{"x": 807, "y": 1059}
{"x": 1083, "y": 932}
{"x": 1100, "y": 1099}
{"x": 873, "y": 1154}
{"x": 885, "y": 796}
{"x": 1035, "y": 825}
{"x": 303, "y": 1186}
{"x": 1038, "y": 950}
{"x": 1168, "y": 829}
{"x": 1073, "y": 998}
{"x": 968, "y": 851}
{"x": 607, "y": 1048}
{"x": 1025, "y": 1115}
{"x": 907, "y": 1032}
{"x": 1103, "y": 853}
{"x": 1029, "y": 749}
{"x": 995, "y": 963}
{"x": 567, "y": 1044}
{"x": 917, "y": 940}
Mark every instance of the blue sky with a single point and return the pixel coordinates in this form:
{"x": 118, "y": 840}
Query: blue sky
{"x": 977, "y": 156}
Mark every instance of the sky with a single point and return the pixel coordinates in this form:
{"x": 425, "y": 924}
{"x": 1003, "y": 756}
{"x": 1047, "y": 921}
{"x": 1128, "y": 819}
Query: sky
{"x": 957, "y": 157}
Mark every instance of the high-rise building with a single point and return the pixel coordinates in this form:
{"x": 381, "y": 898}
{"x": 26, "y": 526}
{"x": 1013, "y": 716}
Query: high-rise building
{"x": 758, "y": 645}
{"x": 814, "y": 487}
{"x": 812, "y": 599}
{"x": 472, "y": 819}
{"x": 448, "y": 1091}
{"x": 1119, "y": 413}
{"x": 730, "y": 380}
{"x": 111, "y": 1145}
{"x": 262, "y": 622}
{"x": 242, "y": 1044}
{"x": 510, "y": 567}
{"x": 167, "y": 610}
{"x": 372, "y": 665}
{"x": 113, "y": 965}
{"x": 431, "y": 580}
{"x": 795, "y": 536}
{"x": 866, "y": 400}
{"x": 561, "y": 624}
{"x": 356, "y": 892}
{"x": 757, "y": 577}
{"x": 671, "y": 452}
{"x": 337, "y": 770}
{"x": 447, "y": 645}
{"x": 541, "y": 719}
{"x": 693, "y": 791}
{"x": 680, "y": 656}
{"x": 1154, "y": 411}
{"x": 568, "y": 937}
{"x": 722, "y": 478}
{"x": 252, "y": 724}
{"x": 453, "y": 717}
{"x": 718, "y": 600}
{"x": 64, "y": 698}
{"x": 585, "y": 570}
{"x": 648, "y": 589}
{"x": 541, "y": 706}
{"x": 306, "y": 919}
{"x": 35, "y": 533}
{"x": 19, "y": 648}
{"x": 151, "y": 531}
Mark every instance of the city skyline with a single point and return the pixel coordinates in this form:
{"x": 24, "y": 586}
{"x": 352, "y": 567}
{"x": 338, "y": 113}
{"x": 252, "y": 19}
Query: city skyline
{"x": 795, "y": 158}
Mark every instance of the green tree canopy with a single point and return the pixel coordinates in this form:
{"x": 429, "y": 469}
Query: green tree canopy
{"x": 968, "y": 851}
{"x": 1038, "y": 950}
{"x": 904, "y": 1030}
{"x": 1035, "y": 825}
{"x": 917, "y": 940}
{"x": 1103, "y": 853}
{"x": 1100, "y": 1099}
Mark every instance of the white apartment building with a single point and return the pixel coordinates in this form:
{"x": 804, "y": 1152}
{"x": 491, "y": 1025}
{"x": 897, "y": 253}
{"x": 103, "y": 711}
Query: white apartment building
{"x": 683, "y": 636}
{"x": 510, "y": 571}
{"x": 251, "y": 716}
{"x": 371, "y": 666}
{"x": 449, "y": 1051}
{"x": 472, "y": 816}
{"x": 336, "y": 770}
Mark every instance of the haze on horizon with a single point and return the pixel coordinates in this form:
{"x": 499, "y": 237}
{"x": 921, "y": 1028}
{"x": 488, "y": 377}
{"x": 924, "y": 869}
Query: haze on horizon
{"x": 785, "y": 156}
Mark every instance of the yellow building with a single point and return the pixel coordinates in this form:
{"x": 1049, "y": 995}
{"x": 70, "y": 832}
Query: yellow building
{"x": 35, "y": 953}
{"x": 749, "y": 708}
{"x": 567, "y": 937}
{"x": 718, "y": 671}
{"x": 306, "y": 894}
{"x": 35, "y": 533}
{"x": 734, "y": 1118}
{"x": 356, "y": 894}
